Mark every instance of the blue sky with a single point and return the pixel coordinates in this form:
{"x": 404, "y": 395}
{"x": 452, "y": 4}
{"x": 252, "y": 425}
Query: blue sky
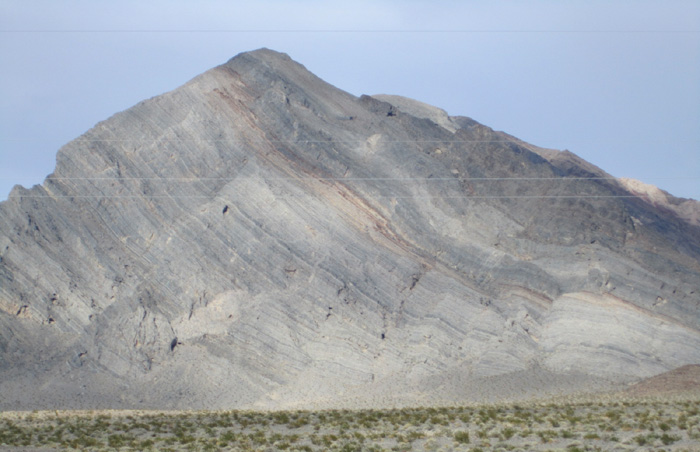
{"x": 616, "y": 82}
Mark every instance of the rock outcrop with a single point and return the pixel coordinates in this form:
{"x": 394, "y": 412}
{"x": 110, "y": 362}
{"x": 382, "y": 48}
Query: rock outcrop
{"x": 260, "y": 238}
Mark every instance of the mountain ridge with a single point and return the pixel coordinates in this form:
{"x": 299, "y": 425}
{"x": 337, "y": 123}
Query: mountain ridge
{"x": 306, "y": 246}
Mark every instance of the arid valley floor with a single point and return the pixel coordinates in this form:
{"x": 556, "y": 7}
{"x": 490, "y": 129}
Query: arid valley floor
{"x": 602, "y": 424}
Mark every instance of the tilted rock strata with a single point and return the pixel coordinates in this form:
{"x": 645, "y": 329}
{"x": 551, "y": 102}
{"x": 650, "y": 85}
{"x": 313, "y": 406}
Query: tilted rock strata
{"x": 258, "y": 237}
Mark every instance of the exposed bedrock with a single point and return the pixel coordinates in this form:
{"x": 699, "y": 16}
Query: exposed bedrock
{"x": 260, "y": 238}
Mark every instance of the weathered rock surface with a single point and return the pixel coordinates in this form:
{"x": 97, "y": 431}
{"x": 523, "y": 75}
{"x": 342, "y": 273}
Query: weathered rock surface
{"x": 259, "y": 238}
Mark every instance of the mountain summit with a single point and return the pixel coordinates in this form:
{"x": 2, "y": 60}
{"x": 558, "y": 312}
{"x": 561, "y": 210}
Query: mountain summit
{"x": 258, "y": 238}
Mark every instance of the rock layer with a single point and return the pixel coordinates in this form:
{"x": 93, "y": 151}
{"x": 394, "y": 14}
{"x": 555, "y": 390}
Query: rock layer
{"x": 260, "y": 238}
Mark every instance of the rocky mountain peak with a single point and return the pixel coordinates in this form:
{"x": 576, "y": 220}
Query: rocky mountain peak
{"x": 260, "y": 238}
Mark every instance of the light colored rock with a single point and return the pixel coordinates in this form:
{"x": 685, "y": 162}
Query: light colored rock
{"x": 420, "y": 110}
{"x": 687, "y": 209}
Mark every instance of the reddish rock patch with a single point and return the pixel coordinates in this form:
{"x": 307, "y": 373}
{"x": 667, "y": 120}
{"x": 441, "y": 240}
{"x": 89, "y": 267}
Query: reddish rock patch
{"x": 685, "y": 379}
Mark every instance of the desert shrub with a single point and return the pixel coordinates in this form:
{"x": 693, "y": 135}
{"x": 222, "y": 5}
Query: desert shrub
{"x": 280, "y": 418}
{"x": 258, "y": 437}
{"x": 437, "y": 420}
{"x": 462, "y": 437}
{"x": 546, "y": 435}
{"x": 116, "y": 441}
{"x": 508, "y": 432}
{"x": 329, "y": 439}
{"x": 640, "y": 440}
{"x": 351, "y": 447}
{"x": 669, "y": 439}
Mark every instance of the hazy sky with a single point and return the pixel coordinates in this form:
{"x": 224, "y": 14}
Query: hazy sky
{"x": 616, "y": 82}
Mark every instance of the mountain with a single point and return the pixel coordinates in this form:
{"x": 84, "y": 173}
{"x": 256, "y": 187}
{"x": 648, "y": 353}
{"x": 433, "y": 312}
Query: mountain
{"x": 258, "y": 238}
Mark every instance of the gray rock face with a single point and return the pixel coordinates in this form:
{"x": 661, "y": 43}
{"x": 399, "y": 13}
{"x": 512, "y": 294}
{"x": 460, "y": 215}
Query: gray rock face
{"x": 259, "y": 238}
